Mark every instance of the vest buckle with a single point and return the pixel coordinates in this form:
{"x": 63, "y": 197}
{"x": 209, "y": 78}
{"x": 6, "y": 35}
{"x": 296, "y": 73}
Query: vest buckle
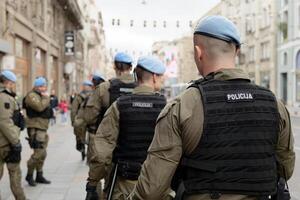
{"x": 215, "y": 195}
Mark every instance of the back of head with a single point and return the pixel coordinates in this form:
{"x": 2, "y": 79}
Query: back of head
{"x": 123, "y": 62}
{"x": 216, "y": 44}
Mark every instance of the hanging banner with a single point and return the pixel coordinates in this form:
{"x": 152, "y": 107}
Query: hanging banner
{"x": 69, "y": 43}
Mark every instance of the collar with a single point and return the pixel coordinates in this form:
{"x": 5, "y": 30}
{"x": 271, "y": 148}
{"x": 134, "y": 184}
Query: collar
{"x": 126, "y": 77}
{"x": 230, "y": 74}
{"x": 143, "y": 89}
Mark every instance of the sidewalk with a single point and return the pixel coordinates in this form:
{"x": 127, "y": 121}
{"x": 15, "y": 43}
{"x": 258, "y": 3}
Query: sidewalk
{"x": 63, "y": 167}
{"x": 294, "y": 111}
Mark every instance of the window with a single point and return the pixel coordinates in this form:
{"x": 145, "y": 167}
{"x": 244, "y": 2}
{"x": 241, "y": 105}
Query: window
{"x": 251, "y": 54}
{"x": 298, "y": 61}
{"x": 19, "y": 47}
{"x": 298, "y": 87}
{"x": 285, "y": 58}
{"x": 265, "y": 51}
{"x": 299, "y": 17}
{"x": 265, "y": 18}
{"x": 265, "y": 79}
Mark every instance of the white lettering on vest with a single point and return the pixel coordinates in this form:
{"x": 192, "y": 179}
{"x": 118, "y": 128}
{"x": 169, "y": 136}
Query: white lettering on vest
{"x": 239, "y": 96}
{"x": 142, "y": 105}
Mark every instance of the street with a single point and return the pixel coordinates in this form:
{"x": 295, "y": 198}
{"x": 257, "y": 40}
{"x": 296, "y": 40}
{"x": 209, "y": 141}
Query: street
{"x": 68, "y": 173}
{"x": 63, "y": 167}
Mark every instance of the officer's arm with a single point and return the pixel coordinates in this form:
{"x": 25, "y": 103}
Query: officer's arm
{"x": 285, "y": 147}
{"x": 163, "y": 157}
{"x": 36, "y": 103}
{"x": 7, "y": 127}
{"x": 103, "y": 145}
{"x": 74, "y": 108}
{"x": 93, "y": 107}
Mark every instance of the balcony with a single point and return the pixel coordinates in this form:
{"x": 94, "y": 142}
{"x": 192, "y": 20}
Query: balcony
{"x": 73, "y": 12}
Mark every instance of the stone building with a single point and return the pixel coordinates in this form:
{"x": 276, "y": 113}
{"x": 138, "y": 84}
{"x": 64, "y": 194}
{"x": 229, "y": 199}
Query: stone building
{"x": 257, "y": 23}
{"x": 32, "y": 42}
{"x": 288, "y": 60}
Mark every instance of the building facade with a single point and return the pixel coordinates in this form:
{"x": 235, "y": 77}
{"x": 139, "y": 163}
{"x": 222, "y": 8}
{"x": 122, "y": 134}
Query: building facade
{"x": 33, "y": 42}
{"x": 288, "y": 60}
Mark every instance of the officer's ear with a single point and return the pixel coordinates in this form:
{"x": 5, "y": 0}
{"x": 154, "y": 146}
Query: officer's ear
{"x": 197, "y": 53}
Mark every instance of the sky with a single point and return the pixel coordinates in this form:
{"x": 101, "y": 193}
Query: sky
{"x": 139, "y": 40}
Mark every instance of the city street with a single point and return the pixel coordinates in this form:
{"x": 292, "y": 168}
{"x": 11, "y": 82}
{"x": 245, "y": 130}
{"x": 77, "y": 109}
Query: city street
{"x": 68, "y": 173}
{"x": 63, "y": 167}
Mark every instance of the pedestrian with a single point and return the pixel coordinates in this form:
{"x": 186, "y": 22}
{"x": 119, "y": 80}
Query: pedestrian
{"x": 224, "y": 137}
{"x": 76, "y": 116}
{"x": 106, "y": 93}
{"x": 54, "y": 106}
{"x": 39, "y": 112}
{"x": 10, "y": 146}
{"x": 63, "y": 108}
{"x": 126, "y": 131}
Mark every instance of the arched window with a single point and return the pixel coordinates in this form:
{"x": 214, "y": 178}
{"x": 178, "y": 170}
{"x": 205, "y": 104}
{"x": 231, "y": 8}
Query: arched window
{"x": 298, "y": 60}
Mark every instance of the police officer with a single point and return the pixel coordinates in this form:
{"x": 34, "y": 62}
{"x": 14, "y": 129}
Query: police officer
{"x": 106, "y": 93}
{"x": 97, "y": 79}
{"x": 127, "y": 130}
{"x": 77, "y": 105}
{"x": 219, "y": 139}
{"x": 10, "y": 146}
{"x": 38, "y": 110}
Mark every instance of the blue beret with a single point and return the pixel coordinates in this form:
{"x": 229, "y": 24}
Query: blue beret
{"x": 40, "y": 81}
{"x": 9, "y": 75}
{"x": 220, "y": 28}
{"x": 123, "y": 57}
{"x": 98, "y": 76}
{"x": 87, "y": 83}
{"x": 152, "y": 64}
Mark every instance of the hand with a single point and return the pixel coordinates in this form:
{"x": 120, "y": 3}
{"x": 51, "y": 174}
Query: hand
{"x": 45, "y": 94}
{"x": 91, "y": 193}
{"x": 14, "y": 155}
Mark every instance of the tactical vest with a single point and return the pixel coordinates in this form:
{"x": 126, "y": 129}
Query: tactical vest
{"x": 138, "y": 114}
{"x": 117, "y": 88}
{"x": 17, "y": 116}
{"x": 31, "y": 113}
{"x": 236, "y": 153}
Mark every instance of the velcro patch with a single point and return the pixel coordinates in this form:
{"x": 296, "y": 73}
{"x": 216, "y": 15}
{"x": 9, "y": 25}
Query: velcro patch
{"x": 142, "y": 105}
{"x": 6, "y": 105}
{"x": 126, "y": 90}
{"x": 239, "y": 97}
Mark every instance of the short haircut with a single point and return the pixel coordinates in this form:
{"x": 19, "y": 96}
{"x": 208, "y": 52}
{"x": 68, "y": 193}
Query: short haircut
{"x": 123, "y": 66}
{"x": 3, "y": 79}
{"x": 142, "y": 74}
{"x": 214, "y": 48}
{"x": 97, "y": 81}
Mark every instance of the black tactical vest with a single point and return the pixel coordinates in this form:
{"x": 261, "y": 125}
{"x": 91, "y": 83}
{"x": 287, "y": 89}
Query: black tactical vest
{"x": 138, "y": 114}
{"x": 117, "y": 88}
{"x": 31, "y": 113}
{"x": 236, "y": 153}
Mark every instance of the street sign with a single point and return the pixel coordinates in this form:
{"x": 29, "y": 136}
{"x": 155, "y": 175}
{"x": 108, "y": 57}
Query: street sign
{"x": 69, "y": 43}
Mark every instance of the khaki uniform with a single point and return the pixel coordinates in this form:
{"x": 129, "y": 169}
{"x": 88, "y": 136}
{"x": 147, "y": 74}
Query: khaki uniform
{"x": 97, "y": 101}
{"x": 178, "y": 131}
{"x": 104, "y": 144}
{"x": 37, "y": 127}
{"x": 77, "y": 112}
{"x": 9, "y": 135}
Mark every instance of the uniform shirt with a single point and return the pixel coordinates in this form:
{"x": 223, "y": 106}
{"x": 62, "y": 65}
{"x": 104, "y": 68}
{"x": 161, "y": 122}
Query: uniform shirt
{"x": 100, "y": 99}
{"x": 9, "y": 132}
{"x": 106, "y": 140}
{"x": 39, "y": 104}
{"x": 178, "y": 132}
